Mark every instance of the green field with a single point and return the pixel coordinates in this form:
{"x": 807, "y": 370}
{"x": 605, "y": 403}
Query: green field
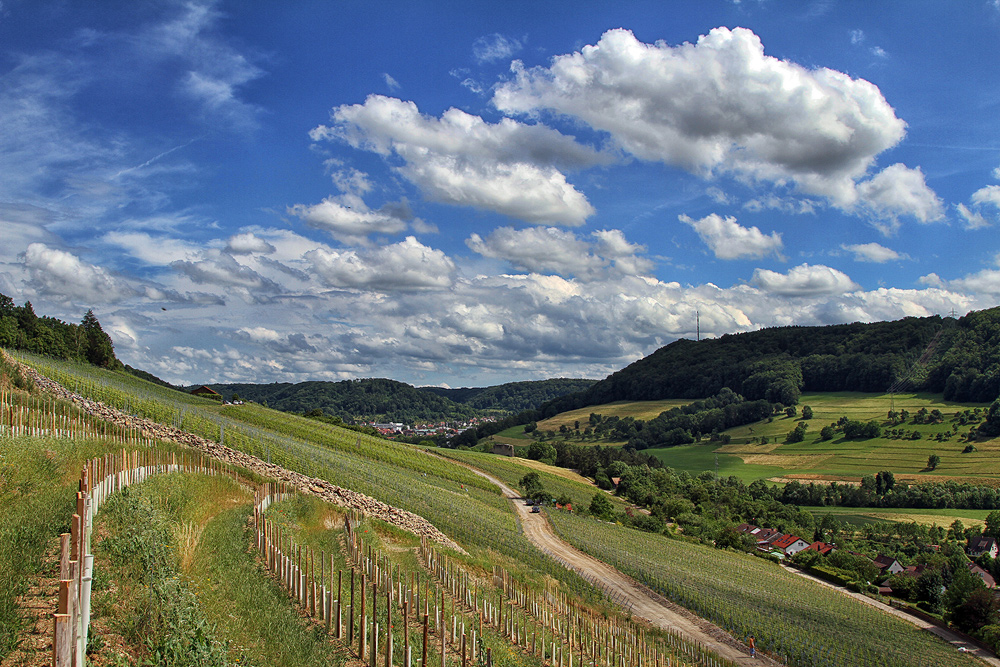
{"x": 644, "y": 410}
{"x": 840, "y": 459}
{"x": 940, "y": 517}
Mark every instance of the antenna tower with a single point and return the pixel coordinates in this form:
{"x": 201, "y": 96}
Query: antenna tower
{"x": 697, "y": 319}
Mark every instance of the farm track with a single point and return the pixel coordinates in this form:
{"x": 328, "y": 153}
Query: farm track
{"x": 639, "y": 600}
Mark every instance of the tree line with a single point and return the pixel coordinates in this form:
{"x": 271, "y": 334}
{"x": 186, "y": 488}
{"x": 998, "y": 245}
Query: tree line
{"x": 22, "y": 329}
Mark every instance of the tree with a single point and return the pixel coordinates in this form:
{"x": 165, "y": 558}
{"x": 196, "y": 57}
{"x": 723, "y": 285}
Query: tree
{"x": 932, "y": 461}
{"x": 978, "y": 610}
{"x": 929, "y": 586}
{"x": 826, "y": 433}
{"x": 100, "y": 351}
{"x": 531, "y": 483}
{"x": 884, "y": 481}
{"x": 601, "y": 507}
{"x": 542, "y": 451}
{"x": 807, "y": 412}
{"x": 530, "y": 427}
{"x": 992, "y": 524}
{"x": 790, "y": 411}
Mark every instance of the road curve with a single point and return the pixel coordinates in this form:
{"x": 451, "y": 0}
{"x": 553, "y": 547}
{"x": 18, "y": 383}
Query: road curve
{"x": 638, "y": 599}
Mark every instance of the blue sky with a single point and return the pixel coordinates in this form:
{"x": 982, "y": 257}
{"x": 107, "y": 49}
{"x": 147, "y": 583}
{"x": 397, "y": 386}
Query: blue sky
{"x": 473, "y": 193}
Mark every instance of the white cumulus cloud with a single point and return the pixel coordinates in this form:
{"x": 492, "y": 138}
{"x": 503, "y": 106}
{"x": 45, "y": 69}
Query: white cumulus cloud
{"x": 548, "y": 250}
{"x": 719, "y": 105}
{"x": 729, "y": 240}
{"x": 407, "y": 265}
{"x": 872, "y": 252}
{"x": 248, "y": 244}
{"x": 349, "y": 220}
{"x": 898, "y": 190}
{"x": 508, "y": 167}
{"x": 804, "y": 280}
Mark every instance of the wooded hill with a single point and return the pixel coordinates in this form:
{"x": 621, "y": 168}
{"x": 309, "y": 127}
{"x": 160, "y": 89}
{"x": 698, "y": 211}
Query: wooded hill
{"x": 957, "y": 358}
{"x": 384, "y": 400}
{"x": 513, "y": 396}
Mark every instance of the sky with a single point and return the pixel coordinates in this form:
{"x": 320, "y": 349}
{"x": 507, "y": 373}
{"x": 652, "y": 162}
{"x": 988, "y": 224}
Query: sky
{"x": 472, "y": 193}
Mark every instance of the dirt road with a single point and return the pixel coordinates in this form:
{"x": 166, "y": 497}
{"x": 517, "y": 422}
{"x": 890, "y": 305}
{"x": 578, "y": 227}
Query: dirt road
{"x": 639, "y": 600}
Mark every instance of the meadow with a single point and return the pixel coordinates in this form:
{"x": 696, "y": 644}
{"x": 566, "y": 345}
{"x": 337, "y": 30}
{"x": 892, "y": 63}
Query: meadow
{"x": 840, "y": 459}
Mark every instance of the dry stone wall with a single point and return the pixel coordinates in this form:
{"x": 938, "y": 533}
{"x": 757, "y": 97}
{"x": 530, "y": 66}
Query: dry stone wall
{"x": 331, "y": 493}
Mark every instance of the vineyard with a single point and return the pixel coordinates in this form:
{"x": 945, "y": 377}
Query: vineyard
{"x": 806, "y": 624}
{"x": 512, "y": 619}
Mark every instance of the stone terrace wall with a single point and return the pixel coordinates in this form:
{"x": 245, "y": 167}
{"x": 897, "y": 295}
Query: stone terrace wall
{"x": 331, "y": 493}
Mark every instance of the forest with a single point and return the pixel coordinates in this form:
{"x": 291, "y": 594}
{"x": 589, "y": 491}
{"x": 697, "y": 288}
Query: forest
{"x": 957, "y": 358}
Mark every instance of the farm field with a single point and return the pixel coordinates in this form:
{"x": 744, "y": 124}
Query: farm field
{"x": 644, "y": 410}
{"x": 806, "y": 623}
{"x": 927, "y": 517}
{"x": 840, "y": 459}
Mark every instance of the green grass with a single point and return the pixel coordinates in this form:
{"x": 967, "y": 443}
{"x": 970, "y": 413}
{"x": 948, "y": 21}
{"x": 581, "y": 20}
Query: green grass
{"x": 841, "y": 459}
{"x": 941, "y": 517}
{"x": 251, "y": 612}
{"x": 463, "y": 505}
{"x": 511, "y": 469}
{"x": 807, "y": 624}
{"x": 38, "y": 480}
{"x": 696, "y": 459}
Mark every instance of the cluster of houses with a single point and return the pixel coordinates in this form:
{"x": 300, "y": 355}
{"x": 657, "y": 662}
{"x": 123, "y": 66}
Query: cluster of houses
{"x": 785, "y": 545}
{"x": 770, "y": 540}
{"x": 449, "y": 428}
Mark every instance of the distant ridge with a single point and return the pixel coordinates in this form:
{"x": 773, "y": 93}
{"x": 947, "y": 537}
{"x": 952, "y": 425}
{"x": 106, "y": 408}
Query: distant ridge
{"x": 778, "y": 363}
{"x": 384, "y": 400}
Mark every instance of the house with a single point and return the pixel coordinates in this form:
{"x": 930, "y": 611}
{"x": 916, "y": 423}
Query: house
{"x": 822, "y": 547}
{"x": 914, "y": 570}
{"x": 789, "y": 544}
{"x": 983, "y": 574}
{"x": 765, "y": 536}
{"x": 207, "y": 392}
{"x": 747, "y": 529}
{"x": 888, "y": 565}
{"x": 983, "y": 545}
{"x": 503, "y": 449}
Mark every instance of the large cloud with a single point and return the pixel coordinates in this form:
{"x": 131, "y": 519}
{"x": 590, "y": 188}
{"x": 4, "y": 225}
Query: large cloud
{"x": 721, "y": 105}
{"x": 508, "y": 167}
{"x": 404, "y": 266}
{"x": 64, "y": 277}
{"x": 729, "y": 240}
{"x": 804, "y": 280}
{"x": 552, "y": 250}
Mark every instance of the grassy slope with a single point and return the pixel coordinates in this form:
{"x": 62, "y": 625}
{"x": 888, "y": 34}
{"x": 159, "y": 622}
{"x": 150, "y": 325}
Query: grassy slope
{"x": 844, "y": 459}
{"x": 465, "y": 506}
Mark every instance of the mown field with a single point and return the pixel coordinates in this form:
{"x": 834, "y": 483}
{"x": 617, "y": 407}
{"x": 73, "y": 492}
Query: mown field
{"x": 637, "y": 409}
{"x": 926, "y": 517}
{"x": 840, "y": 459}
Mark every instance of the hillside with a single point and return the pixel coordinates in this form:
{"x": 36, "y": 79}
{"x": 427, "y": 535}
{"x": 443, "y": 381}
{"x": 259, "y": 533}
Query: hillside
{"x": 513, "y": 396}
{"x": 958, "y": 358}
{"x": 376, "y": 399}
{"x": 380, "y": 399}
